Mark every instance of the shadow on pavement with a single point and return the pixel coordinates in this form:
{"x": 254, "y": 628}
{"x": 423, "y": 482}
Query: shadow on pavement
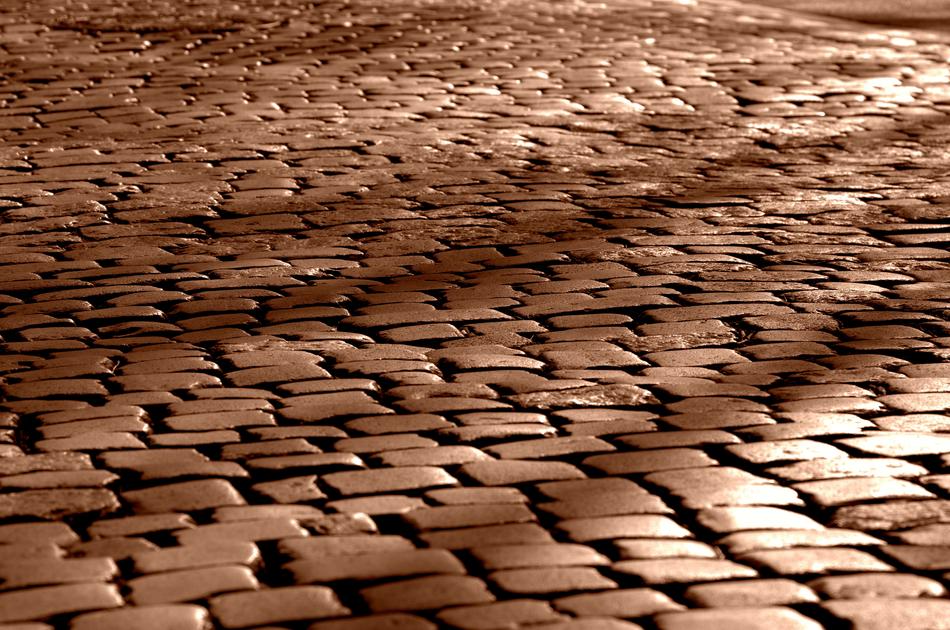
{"x": 913, "y": 14}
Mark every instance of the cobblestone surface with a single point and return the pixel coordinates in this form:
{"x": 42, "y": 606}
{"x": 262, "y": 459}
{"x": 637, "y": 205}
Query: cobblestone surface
{"x": 477, "y": 315}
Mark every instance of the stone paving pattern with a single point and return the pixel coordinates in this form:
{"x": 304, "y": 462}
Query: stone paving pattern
{"x": 465, "y": 314}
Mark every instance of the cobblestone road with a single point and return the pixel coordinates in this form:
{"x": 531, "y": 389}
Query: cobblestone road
{"x": 411, "y": 314}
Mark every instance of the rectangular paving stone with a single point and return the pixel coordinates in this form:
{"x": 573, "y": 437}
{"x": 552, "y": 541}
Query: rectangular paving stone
{"x": 649, "y": 461}
{"x": 510, "y": 472}
{"x": 876, "y": 585}
{"x": 806, "y": 561}
{"x": 190, "y": 585}
{"x": 475, "y": 496}
{"x": 737, "y": 518}
{"x": 380, "y": 565}
{"x": 59, "y": 479}
{"x": 275, "y": 605}
{"x": 680, "y": 570}
{"x": 511, "y": 613}
{"x": 719, "y": 311}
{"x": 45, "y": 461}
{"x": 45, "y": 602}
{"x": 424, "y": 317}
{"x": 36, "y": 572}
{"x": 402, "y": 621}
{"x": 624, "y": 526}
{"x": 494, "y": 557}
{"x": 546, "y": 580}
{"x": 885, "y": 612}
{"x": 833, "y": 492}
{"x": 550, "y": 447}
{"x": 306, "y": 462}
{"x": 320, "y": 547}
{"x": 623, "y": 603}
{"x": 184, "y": 496}
{"x": 388, "y": 480}
{"x": 452, "y": 516}
{"x": 179, "y": 616}
{"x": 245, "y": 531}
{"x": 426, "y": 593}
{"x": 211, "y": 553}
{"x": 57, "y": 503}
{"x": 748, "y": 593}
{"x": 38, "y": 533}
{"x": 775, "y": 617}
{"x": 506, "y": 534}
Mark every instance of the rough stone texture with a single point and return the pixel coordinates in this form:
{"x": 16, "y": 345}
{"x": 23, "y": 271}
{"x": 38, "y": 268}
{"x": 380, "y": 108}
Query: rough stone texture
{"x": 568, "y": 315}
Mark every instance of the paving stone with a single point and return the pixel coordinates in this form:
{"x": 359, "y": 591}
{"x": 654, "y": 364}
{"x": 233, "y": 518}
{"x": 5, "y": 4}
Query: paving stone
{"x": 190, "y": 585}
{"x": 41, "y": 603}
{"x": 605, "y": 503}
{"x": 890, "y": 613}
{"x": 632, "y": 549}
{"x": 38, "y": 533}
{"x": 305, "y": 463}
{"x": 375, "y": 566}
{"x": 877, "y": 586}
{"x": 510, "y": 472}
{"x": 785, "y": 450}
{"x": 36, "y": 572}
{"x": 184, "y": 496}
{"x": 831, "y": 492}
{"x": 475, "y": 496}
{"x": 802, "y": 560}
{"x": 432, "y": 456}
{"x": 263, "y": 529}
{"x": 485, "y": 433}
{"x": 550, "y": 580}
{"x": 717, "y": 420}
{"x": 742, "y": 542}
{"x": 593, "y": 396}
{"x": 388, "y": 480}
{"x": 117, "y": 549}
{"x": 598, "y": 311}
{"x": 347, "y": 545}
{"x": 212, "y": 553}
{"x": 753, "y": 618}
{"x": 751, "y": 593}
{"x": 623, "y": 603}
{"x": 731, "y": 519}
{"x": 935, "y": 534}
{"x": 593, "y": 623}
{"x": 290, "y": 603}
{"x": 892, "y": 515}
{"x": 506, "y": 614}
{"x": 536, "y": 555}
{"x": 58, "y": 503}
{"x": 506, "y": 534}
{"x": 899, "y": 444}
{"x": 550, "y": 447}
{"x": 447, "y": 517}
{"x": 426, "y": 593}
{"x": 679, "y": 570}
{"x": 697, "y": 357}
{"x": 45, "y": 461}
{"x": 847, "y": 467}
{"x": 649, "y": 461}
{"x": 625, "y": 526}
{"x": 918, "y": 557}
{"x": 183, "y": 616}
{"x": 677, "y": 438}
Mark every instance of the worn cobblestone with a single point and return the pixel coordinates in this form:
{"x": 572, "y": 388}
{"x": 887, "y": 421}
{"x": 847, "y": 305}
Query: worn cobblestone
{"x": 475, "y": 315}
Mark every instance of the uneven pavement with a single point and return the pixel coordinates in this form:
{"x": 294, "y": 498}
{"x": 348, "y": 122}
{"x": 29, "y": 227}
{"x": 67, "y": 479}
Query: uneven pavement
{"x": 424, "y": 314}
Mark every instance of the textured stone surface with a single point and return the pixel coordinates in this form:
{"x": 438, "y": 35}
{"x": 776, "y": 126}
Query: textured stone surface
{"x": 428, "y": 313}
